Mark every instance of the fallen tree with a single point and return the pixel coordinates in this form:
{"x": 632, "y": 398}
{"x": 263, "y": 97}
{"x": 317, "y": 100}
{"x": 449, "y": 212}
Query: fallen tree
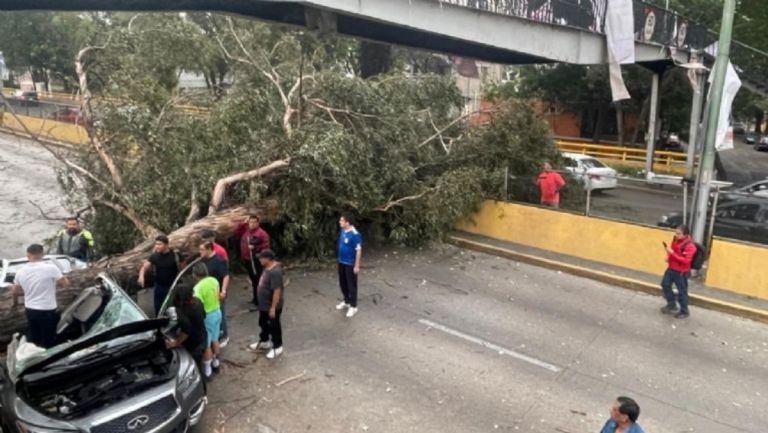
{"x": 123, "y": 268}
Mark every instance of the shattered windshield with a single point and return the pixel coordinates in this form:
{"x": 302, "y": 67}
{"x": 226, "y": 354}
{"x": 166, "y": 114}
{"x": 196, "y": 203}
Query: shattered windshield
{"x": 119, "y": 310}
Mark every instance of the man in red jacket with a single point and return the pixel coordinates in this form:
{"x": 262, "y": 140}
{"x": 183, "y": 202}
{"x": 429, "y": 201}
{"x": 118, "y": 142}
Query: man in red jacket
{"x": 253, "y": 240}
{"x": 679, "y": 257}
{"x": 550, "y": 182}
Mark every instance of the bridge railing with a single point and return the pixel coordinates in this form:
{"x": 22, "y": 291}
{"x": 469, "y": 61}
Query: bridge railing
{"x": 652, "y": 23}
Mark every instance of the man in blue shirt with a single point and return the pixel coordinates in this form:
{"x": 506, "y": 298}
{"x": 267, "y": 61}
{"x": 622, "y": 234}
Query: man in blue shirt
{"x": 624, "y": 413}
{"x": 349, "y": 253}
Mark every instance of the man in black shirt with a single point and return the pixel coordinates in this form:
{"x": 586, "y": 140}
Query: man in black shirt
{"x": 163, "y": 259}
{"x": 191, "y": 320}
{"x": 218, "y": 268}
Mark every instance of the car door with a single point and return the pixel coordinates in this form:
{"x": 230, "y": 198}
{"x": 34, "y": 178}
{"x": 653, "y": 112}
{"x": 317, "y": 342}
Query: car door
{"x": 571, "y": 165}
{"x": 760, "y": 227}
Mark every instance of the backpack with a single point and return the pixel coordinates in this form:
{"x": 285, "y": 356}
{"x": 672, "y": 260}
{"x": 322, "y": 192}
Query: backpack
{"x": 697, "y": 262}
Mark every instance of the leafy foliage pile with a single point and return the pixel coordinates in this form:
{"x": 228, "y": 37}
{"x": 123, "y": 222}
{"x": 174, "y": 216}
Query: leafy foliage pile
{"x": 393, "y": 149}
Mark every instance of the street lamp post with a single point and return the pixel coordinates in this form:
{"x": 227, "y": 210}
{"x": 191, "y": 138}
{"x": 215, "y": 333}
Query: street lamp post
{"x": 706, "y": 170}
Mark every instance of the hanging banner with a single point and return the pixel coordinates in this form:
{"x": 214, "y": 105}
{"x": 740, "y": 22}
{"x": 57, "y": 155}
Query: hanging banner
{"x": 619, "y": 30}
{"x": 730, "y": 89}
{"x": 619, "y": 25}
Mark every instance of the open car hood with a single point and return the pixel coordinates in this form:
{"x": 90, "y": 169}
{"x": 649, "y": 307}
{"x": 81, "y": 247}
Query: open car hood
{"x": 117, "y": 332}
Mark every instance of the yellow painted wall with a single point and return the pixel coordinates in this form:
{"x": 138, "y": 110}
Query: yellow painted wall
{"x": 615, "y": 243}
{"x": 738, "y": 267}
{"x": 46, "y": 128}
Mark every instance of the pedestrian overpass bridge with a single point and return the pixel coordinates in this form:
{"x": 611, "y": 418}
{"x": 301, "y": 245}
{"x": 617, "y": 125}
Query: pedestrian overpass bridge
{"x": 499, "y": 31}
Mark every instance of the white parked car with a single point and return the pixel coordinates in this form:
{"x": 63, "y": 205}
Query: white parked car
{"x": 590, "y": 171}
{"x": 8, "y": 268}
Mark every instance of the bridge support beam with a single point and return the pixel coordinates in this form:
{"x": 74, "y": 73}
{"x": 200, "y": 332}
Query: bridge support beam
{"x": 653, "y": 121}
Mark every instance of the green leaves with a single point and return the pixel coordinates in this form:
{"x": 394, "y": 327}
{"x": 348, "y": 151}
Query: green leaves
{"x": 393, "y": 149}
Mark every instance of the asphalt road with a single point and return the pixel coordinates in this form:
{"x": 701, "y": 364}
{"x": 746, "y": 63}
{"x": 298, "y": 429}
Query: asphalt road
{"x": 30, "y": 195}
{"x": 453, "y": 341}
{"x": 450, "y": 341}
{"x": 639, "y": 204}
{"x": 743, "y": 164}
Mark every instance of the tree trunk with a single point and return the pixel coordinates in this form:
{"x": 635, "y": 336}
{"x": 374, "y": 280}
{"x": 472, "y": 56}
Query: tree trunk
{"x": 124, "y": 268}
{"x": 641, "y": 121}
{"x": 620, "y": 122}
{"x": 759, "y": 116}
{"x": 598, "y": 131}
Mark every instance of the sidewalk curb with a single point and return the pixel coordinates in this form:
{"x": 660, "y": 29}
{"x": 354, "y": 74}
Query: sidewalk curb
{"x": 604, "y": 277}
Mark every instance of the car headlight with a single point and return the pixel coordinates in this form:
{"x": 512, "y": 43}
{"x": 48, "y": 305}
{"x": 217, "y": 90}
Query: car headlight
{"x": 188, "y": 380}
{"x": 24, "y": 427}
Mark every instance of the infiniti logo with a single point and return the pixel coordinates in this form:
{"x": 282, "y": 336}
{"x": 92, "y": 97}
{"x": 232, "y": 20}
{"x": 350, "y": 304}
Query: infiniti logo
{"x": 137, "y": 423}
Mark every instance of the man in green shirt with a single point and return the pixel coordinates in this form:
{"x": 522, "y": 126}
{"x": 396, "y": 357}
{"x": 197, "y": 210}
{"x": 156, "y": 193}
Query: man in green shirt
{"x": 207, "y": 291}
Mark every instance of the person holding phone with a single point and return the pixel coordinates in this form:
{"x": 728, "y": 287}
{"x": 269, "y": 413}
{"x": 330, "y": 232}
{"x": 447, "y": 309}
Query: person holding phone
{"x": 679, "y": 257}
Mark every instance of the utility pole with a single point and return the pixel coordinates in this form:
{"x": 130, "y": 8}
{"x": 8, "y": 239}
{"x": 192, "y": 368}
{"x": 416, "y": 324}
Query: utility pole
{"x": 653, "y": 119}
{"x": 706, "y": 170}
{"x": 696, "y": 108}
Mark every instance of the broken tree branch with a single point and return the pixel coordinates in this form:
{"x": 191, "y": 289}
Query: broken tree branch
{"x": 447, "y": 127}
{"x": 194, "y": 207}
{"x": 402, "y": 200}
{"x": 147, "y": 230}
{"x": 220, "y": 190}
{"x": 87, "y": 110}
{"x": 291, "y": 379}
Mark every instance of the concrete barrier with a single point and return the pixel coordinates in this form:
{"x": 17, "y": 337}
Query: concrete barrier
{"x": 738, "y": 267}
{"x": 45, "y": 128}
{"x": 615, "y": 243}
{"x": 733, "y": 266}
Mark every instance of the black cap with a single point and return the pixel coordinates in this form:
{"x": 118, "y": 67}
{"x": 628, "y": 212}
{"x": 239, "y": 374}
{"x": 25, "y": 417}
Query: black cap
{"x": 267, "y": 254}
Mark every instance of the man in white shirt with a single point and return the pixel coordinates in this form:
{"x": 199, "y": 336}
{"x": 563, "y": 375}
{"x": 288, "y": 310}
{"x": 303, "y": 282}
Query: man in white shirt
{"x": 37, "y": 282}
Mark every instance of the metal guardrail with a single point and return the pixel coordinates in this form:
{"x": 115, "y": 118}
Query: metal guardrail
{"x": 74, "y": 100}
{"x": 628, "y": 154}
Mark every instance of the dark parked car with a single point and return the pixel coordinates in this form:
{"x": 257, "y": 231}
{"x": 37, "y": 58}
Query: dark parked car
{"x": 26, "y": 97}
{"x": 750, "y": 138}
{"x": 757, "y": 189}
{"x": 762, "y": 143}
{"x": 744, "y": 219}
{"x": 111, "y": 373}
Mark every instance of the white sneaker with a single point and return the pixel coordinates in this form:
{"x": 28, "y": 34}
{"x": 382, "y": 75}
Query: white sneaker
{"x": 275, "y": 352}
{"x": 261, "y": 345}
{"x": 352, "y": 311}
{"x": 223, "y": 342}
{"x": 342, "y": 305}
{"x": 215, "y": 363}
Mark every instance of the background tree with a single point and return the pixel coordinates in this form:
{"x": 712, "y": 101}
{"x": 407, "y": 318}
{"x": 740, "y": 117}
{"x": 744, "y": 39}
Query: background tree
{"x": 299, "y": 128}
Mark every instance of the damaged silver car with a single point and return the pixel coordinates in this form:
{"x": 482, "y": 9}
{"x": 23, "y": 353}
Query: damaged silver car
{"x": 111, "y": 374}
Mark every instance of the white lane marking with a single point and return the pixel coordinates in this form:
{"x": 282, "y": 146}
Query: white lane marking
{"x": 489, "y": 345}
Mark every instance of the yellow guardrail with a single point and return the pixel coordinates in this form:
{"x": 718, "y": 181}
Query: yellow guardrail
{"x": 44, "y": 128}
{"x": 626, "y": 154}
{"x": 74, "y": 99}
